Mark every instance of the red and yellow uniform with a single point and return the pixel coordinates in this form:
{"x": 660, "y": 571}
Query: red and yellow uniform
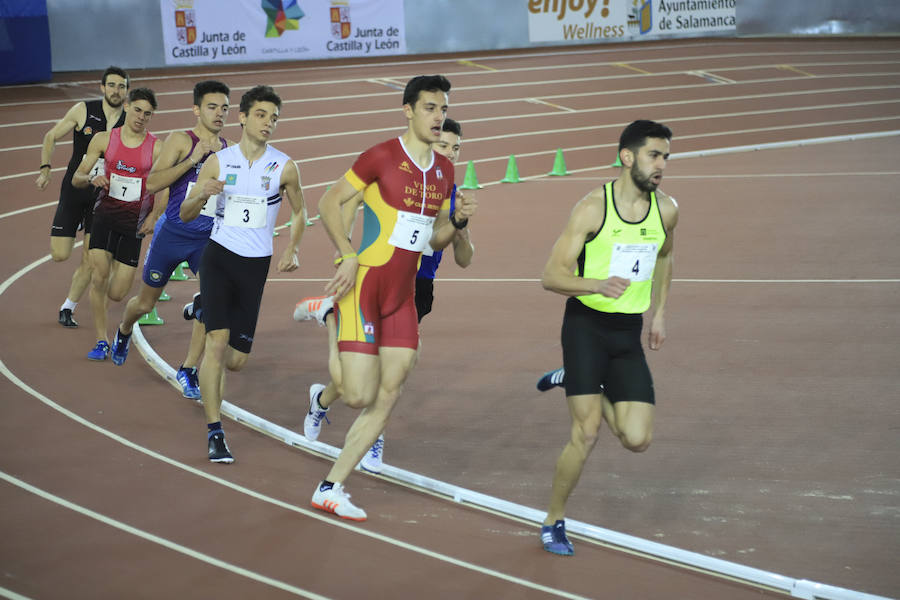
{"x": 401, "y": 201}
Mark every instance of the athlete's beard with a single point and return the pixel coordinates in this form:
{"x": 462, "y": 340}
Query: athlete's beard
{"x": 642, "y": 181}
{"x": 115, "y": 104}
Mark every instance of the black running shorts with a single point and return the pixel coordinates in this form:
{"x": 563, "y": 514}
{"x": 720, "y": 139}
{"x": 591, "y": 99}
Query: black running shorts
{"x": 603, "y": 351}
{"x": 75, "y": 209}
{"x": 231, "y": 289}
{"x": 125, "y": 247}
{"x": 424, "y": 296}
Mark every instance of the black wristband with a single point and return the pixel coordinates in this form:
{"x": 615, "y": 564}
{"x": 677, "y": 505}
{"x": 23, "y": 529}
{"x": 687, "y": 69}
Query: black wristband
{"x": 44, "y": 165}
{"x": 458, "y": 224}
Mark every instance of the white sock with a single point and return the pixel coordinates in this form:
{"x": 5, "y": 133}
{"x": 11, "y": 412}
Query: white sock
{"x": 68, "y": 304}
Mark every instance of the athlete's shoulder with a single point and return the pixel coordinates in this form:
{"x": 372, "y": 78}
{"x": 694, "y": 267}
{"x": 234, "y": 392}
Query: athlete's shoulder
{"x": 277, "y": 155}
{"x": 668, "y": 209}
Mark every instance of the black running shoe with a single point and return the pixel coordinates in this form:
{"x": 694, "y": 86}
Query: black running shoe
{"x": 65, "y": 318}
{"x": 218, "y": 449}
{"x": 193, "y": 310}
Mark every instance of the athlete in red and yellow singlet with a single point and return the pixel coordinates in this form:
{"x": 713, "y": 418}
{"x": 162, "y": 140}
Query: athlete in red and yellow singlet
{"x": 401, "y": 201}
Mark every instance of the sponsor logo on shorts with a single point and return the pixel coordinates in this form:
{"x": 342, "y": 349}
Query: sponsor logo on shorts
{"x": 231, "y": 179}
{"x": 369, "y": 328}
{"x": 155, "y": 275}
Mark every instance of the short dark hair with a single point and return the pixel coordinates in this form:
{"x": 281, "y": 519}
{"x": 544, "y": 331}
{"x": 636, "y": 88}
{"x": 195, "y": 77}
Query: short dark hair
{"x": 142, "y": 94}
{"x": 424, "y": 83}
{"x": 635, "y": 135}
{"x": 209, "y": 87}
{"x": 452, "y": 126}
{"x": 260, "y": 93}
{"x": 111, "y": 70}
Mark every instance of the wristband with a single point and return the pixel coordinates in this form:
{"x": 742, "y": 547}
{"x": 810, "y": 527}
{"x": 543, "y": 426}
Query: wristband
{"x": 458, "y": 224}
{"x": 44, "y": 165}
{"x": 338, "y": 261}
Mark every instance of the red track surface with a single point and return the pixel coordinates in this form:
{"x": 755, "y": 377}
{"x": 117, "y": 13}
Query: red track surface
{"x": 777, "y": 423}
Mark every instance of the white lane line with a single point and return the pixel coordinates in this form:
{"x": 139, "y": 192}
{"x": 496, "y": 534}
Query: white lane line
{"x": 211, "y": 560}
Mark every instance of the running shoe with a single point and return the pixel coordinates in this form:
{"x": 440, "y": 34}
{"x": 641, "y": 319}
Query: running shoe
{"x": 552, "y": 379}
{"x": 193, "y": 309}
{"x": 336, "y": 500}
{"x": 119, "y": 351}
{"x": 312, "y": 424}
{"x": 190, "y": 384}
{"x": 373, "y": 461}
{"x": 100, "y": 351}
{"x": 554, "y": 539}
{"x": 314, "y": 308}
{"x": 218, "y": 449}
{"x": 65, "y": 318}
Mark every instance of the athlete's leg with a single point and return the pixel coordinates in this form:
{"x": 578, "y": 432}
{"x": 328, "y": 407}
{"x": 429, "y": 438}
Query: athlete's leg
{"x": 61, "y": 247}
{"x": 587, "y": 416}
{"x": 101, "y": 263}
{"x": 139, "y": 305}
{"x": 631, "y": 422}
{"x": 120, "y": 281}
{"x": 212, "y": 373}
{"x": 333, "y": 390}
{"x": 390, "y": 370}
{"x": 196, "y": 346}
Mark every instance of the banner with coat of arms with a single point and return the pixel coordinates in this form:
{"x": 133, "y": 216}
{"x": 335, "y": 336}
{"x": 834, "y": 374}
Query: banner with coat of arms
{"x": 201, "y": 32}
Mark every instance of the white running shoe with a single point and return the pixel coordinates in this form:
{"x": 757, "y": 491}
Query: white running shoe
{"x": 312, "y": 424}
{"x": 337, "y": 501}
{"x": 314, "y": 308}
{"x": 373, "y": 460}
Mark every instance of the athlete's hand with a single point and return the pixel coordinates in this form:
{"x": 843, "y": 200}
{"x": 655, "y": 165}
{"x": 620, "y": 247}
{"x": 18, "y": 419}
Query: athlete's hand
{"x": 465, "y": 205}
{"x": 289, "y": 261}
{"x": 43, "y": 179}
{"x": 344, "y": 279}
{"x": 147, "y": 227}
{"x": 613, "y": 287}
{"x": 202, "y": 148}
{"x": 100, "y": 181}
{"x": 213, "y": 187}
{"x": 657, "y": 333}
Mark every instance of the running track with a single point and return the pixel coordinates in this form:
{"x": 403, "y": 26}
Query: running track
{"x": 776, "y": 438}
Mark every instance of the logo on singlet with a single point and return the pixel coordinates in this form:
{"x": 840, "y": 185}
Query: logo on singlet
{"x": 87, "y": 130}
{"x": 265, "y": 181}
{"x": 120, "y": 166}
{"x": 404, "y": 166}
{"x": 231, "y": 179}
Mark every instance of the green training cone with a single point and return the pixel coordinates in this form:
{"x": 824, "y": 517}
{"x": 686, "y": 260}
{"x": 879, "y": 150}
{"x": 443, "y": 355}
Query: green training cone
{"x": 151, "y": 318}
{"x": 178, "y": 273}
{"x": 559, "y": 164}
{"x": 164, "y": 296}
{"x": 512, "y": 171}
{"x": 471, "y": 180}
{"x": 618, "y": 162}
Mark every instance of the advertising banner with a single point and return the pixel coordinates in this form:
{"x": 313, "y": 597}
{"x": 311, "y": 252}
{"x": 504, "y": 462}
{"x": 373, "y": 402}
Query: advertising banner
{"x": 212, "y": 31}
{"x": 592, "y": 21}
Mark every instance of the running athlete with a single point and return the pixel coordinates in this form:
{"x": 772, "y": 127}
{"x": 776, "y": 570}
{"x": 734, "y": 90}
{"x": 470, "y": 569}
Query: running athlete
{"x": 407, "y": 189}
{"x": 613, "y": 261}
{"x": 320, "y": 308}
{"x": 174, "y": 241}
{"x": 120, "y": 215}
{"x": 76, "y": 206}
{"x": 248, "y": 181}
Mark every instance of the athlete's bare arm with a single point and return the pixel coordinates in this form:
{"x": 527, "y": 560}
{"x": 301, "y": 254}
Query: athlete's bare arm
{"x": 331, "y": 208}
{"x": 662, "y": 272}
{"x": 290, "y": 189}
{"x": 96, "y": 149}
{"x": 559, "y": 272}
{"x": 73, "y": 119}
{"x": 207, "y": 185}
{"x": 177, "y": 158}
{"x": 444, "y": 230}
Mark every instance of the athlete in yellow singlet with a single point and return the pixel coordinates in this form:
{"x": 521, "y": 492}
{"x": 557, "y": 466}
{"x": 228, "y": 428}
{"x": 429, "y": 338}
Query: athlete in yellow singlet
{"x": 613, "y": 261}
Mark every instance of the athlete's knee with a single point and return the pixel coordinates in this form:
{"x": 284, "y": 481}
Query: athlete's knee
{"x": 358, "y": 398}
{"x": 117, "y": 295}
{"x": 636, "y": 439}
{"x": 236, "y": 360}
{"x": 60, "y": 254}
{"x": 585, "y": 434}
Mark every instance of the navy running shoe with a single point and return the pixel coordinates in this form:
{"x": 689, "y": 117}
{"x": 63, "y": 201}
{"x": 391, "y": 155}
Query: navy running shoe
{"x": 100, "y": 351}
{"x": 554, "y": 539}
{"x": 119, "y": 351}
{"x": 552, "y": 379}
{"x": 190, "y": 384}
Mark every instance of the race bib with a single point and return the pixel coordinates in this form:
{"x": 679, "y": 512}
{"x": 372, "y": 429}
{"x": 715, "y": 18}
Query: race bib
{"x": 245, "y": 211}
{"x": 209, "y": 207}
{"x": 99, "y": 168}
{"x": 412, "y": 231}
{"x": 126, "y": 189}
{"x": 633, "y": 261}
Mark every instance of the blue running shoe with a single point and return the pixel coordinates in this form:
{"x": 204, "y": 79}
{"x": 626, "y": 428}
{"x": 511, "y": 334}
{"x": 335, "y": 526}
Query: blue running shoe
{"x": 373, "y": 461}
{"x": 554, "y": 539}
{"x": 120, "y": 346}
{"x": 193, "y": 309}
{"x": 100, "y": 351}
{"x": 190, "y": 384}
{"x": 552, "y": 379}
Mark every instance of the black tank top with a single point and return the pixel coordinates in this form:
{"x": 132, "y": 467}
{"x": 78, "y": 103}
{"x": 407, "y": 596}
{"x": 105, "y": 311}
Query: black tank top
{"x": 95, "y": 122}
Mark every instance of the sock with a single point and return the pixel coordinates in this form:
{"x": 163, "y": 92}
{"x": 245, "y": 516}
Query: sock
{"x": 325, "y": 485}
{"x": 214, "y": 428}
{"x": 124, "y": 336}
{"x": 68, "y": 304}
{"x": 316, "y": 404}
